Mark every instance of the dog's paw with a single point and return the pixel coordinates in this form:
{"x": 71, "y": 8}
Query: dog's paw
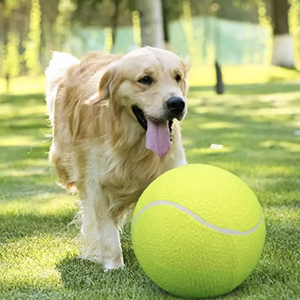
{"x": 113, "y": 264}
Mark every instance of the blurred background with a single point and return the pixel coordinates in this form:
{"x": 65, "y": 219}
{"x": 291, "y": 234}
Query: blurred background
{"x": 247, "y": 50}
{"x": 231, "y": 32}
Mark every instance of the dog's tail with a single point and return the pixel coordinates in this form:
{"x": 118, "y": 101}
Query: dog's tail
{"x": 59, "y": 64}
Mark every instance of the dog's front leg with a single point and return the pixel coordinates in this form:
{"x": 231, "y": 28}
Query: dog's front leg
{"x": 101, "y": 238}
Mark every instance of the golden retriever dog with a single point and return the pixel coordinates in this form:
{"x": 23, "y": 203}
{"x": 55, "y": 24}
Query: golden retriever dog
{"x": 116, "y": 128}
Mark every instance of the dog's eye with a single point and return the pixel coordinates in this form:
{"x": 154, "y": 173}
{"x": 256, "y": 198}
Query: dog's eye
{"x": 146, "y": 80}
{"x": 178, "y": 78}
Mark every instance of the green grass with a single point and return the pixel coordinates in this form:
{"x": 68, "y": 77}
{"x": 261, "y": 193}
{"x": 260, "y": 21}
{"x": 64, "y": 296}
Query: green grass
{"x": 255, "y": 123}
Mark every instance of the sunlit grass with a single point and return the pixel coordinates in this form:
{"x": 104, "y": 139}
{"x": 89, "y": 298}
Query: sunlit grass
{"x": 237, "y": 75}
{"x": 255, "y": 129}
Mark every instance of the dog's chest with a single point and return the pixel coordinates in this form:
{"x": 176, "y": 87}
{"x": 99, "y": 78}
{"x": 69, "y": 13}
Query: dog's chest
{"x": 131, "y": 174}
{"x": 126, "y": 173}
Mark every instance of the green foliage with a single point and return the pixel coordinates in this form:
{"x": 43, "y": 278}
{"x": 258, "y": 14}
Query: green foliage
{"x": 10, "y": 5}
{"x": 12, "y": 58}
{"x": 265, "y": 22}
{"x": 9, "y": 46}
{"x": 55, "y": 24}
{"x": 187, "y": 24}
{"x": 100, "y": 12}
{"x": 63, "y": 21}
{"x": 240, "y": 10}
{"x": 87, "y": 10}
{"x": 136, "y": 28}
{"x": 34, "y": 39}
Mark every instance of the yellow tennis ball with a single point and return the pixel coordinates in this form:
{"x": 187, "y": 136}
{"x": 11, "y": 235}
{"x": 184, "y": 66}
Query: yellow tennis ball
{"x": 198, "y": 231}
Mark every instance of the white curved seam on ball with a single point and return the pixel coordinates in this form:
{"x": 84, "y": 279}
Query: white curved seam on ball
{"x": 198, "y": 219}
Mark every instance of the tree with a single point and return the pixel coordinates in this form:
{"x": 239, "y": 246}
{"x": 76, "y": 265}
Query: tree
{"x": 9, "y": 50}
{"x": 151, "y": 22}
{"x": 107, "y": 13}
{"x": 283, "y": 47}
{"x": 165, "y": 16}
{"x": 5, "y": 29}
{"x": 115, "y": 19}
{"x": 32, "y": 52}
{"x": 171, "y": 10}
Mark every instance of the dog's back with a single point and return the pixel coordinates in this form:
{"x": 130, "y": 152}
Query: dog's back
{"x": 70, "y": 82}
{"x": 64, "y": 65}
{"x": 57, "y": 69}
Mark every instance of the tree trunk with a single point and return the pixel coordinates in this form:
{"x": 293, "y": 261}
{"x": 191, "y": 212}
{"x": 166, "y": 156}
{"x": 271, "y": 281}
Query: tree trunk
{"x": 220, "y": 83}
{"x": 151, "y": 22}
{"x": 165, "y": 15}
{"x": 283, "y": 52}
{"x": 114, "y": 23}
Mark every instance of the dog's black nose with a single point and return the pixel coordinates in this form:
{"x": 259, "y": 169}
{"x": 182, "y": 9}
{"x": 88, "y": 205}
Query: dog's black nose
{"x": 176, "y": 105}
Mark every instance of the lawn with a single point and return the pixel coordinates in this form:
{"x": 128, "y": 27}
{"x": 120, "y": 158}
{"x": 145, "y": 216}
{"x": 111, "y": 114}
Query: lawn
{"x": 256, "y": 124}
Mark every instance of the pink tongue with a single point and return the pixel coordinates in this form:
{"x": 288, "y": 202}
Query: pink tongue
{"x": 158, "y": 138}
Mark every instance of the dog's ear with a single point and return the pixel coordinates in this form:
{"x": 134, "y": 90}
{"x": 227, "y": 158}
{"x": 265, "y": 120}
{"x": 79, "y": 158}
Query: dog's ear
{"x": 186, "y": 62}
{"x": 106, "y": 86}
{"x": 186, "y": 68}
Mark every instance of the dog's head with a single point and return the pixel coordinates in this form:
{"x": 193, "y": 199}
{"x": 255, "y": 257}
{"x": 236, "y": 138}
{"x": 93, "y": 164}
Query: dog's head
{"x": 150, "y": 85}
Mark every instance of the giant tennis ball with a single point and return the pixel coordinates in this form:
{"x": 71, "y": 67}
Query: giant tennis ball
{"x": 198, "y": 231}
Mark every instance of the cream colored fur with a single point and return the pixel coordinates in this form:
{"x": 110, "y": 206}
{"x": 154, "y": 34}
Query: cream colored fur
{"x": 98, "y": 145}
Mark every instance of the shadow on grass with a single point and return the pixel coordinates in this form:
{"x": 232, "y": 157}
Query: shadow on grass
{"x": 29, "y": 186}
{"x": 22, "y": 100}
{"x": 16, "y": 154}
{"x": 81, "y": 275}
{"x": 24, "y": 125}
{"x": 17, "y": 226}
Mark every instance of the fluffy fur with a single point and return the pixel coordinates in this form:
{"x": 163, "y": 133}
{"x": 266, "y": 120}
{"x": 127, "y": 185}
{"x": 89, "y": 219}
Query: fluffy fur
{"x": 98, "y": 145}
